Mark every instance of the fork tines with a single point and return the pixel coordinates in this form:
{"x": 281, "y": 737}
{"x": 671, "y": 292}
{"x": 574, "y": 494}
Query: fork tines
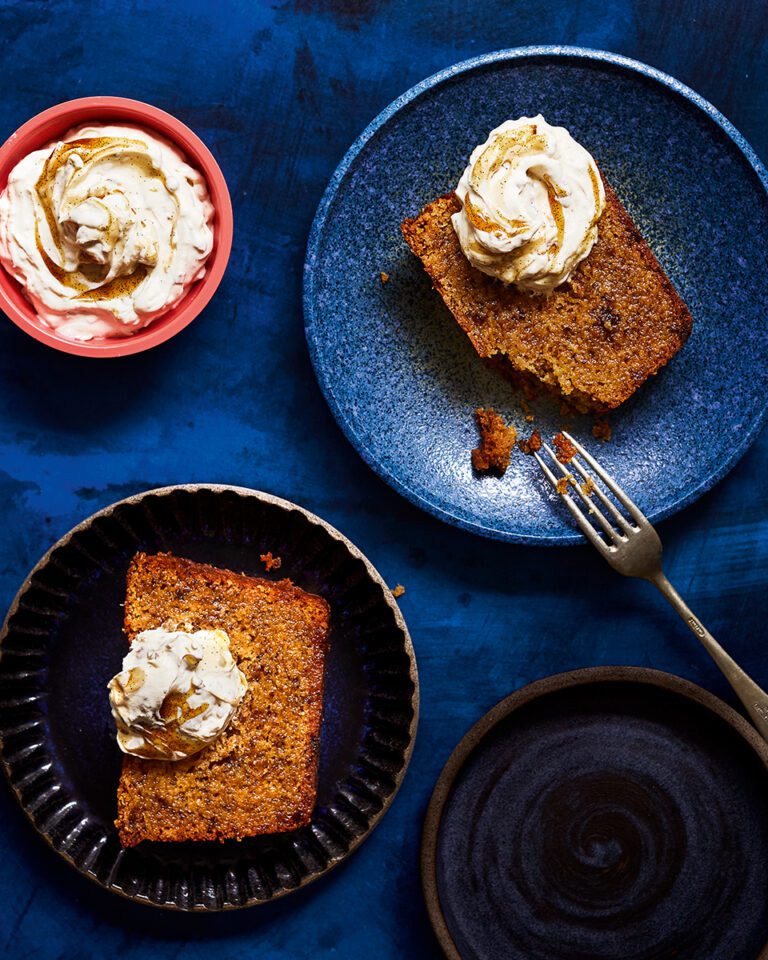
{"x": 587, "y": 492}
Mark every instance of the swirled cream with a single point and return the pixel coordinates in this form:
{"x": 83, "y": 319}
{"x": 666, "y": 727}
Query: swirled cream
{"x": 530, "y": 197}
{"x": 106, "y": 230}
{"x": 176, "y": 693}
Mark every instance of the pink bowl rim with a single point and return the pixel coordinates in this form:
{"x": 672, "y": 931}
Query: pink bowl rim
{"x": 199, "y": 155}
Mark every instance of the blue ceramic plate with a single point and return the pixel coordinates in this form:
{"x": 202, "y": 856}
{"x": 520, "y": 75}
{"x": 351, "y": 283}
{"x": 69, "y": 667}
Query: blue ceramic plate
{"x": 403, "y": 380}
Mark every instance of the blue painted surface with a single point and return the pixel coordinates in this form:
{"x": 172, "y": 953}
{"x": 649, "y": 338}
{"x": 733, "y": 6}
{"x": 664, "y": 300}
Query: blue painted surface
{"x": 278, "y": 91}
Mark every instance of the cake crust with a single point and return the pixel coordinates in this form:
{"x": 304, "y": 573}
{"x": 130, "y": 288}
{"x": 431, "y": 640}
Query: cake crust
{"x": 594, "y": 340}
{"x": 260, "y": 775}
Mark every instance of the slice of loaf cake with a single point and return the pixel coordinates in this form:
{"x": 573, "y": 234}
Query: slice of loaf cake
{"x": 260, "y": 775}
{"x": 594, "y": 340}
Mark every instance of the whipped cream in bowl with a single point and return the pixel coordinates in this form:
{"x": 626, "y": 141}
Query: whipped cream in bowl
{"x": 115, "y": 226}
{"x": 105, "y": 229}
{"x": 176, "y": 693}
{"x": 531, "y": 198}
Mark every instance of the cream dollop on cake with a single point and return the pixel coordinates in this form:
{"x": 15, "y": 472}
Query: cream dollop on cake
{"x": 176, "y": 693}
{"x": 530, "y": 198}
{"x": 106, "y": 230}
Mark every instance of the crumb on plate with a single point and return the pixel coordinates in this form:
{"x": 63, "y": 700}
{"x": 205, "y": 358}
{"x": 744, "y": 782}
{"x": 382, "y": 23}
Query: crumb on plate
{"x": 270, "y": 562}
{"x": 601, "y": 429}
{"x": 564, "y": 449}
{"x": 532, "y": 444}
{"x": 398, "y": 591}
{"x": 497, "y": 441}
{"x": 529, "y": 418}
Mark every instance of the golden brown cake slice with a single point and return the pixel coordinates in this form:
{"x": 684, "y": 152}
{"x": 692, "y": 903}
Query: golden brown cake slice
{"x": 594, "y": 340}
{"x": 260, "y": 775}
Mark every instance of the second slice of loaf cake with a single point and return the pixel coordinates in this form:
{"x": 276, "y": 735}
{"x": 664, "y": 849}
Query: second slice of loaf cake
{"x": 260, "y": 775}
{"x": 594, "y": 340}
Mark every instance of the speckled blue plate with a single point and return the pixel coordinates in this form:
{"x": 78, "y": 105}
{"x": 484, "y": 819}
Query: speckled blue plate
{"x": 401, "y": 377}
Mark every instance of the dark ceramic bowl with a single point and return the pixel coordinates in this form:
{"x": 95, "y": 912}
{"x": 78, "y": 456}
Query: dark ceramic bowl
{"x": 614, "y": 813}
{"x": 63, "y": 640}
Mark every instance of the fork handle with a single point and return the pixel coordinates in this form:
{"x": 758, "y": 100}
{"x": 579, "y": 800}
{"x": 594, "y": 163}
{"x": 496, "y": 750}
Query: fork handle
{"x": 755, "y": 699}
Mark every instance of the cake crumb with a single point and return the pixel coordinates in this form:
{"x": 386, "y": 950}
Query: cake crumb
{"x": 588, "y": 487}
{"x": 529, "y": 418}
{"x": 398, "y": 591}
{"x": 562, "y": 484}
{"x": 601, "y": 429}
{"x": 270, "y": 562}
{"x": 564, "y": 449}
{"x": 497, "y": 442}
{"x": 384, "y": 277}
{"x": 532, "y": 444}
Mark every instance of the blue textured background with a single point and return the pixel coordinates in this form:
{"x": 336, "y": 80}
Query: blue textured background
{"x": 278, "y": 91}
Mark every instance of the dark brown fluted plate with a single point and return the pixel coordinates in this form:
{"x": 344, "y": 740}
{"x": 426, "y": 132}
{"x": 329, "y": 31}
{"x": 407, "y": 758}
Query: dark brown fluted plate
{"x": 614, "y": 813}
{"x": 63, "y": 640}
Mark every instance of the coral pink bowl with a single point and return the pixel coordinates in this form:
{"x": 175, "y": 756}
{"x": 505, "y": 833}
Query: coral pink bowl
{"x": 54, "y": 122}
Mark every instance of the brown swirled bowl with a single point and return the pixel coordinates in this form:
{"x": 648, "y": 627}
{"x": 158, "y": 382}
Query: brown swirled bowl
{"x": 607, "y": 813}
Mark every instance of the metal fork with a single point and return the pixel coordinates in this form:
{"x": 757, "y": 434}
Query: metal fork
{"x": 634, "y": 550}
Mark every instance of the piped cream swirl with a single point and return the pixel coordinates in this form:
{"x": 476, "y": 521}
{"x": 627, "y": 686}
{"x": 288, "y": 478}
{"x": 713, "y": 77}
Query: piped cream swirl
{"x": 176, "y": 693}
{"x": 530, "y": 197}
{"x": 106, "y": 230}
